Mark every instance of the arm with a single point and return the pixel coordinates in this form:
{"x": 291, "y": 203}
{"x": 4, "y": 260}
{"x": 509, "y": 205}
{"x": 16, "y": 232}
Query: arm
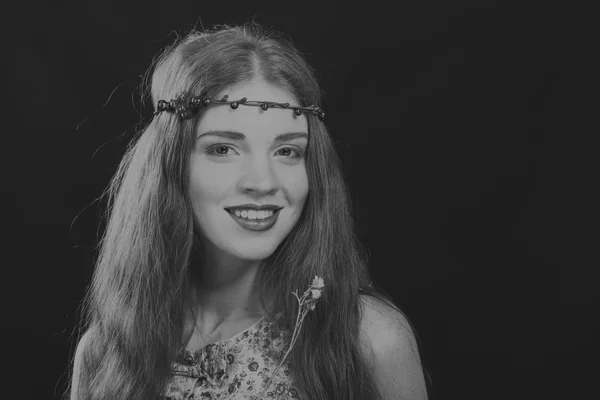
{"x": 77, "y": 365}
{"x": 392, "y": 351}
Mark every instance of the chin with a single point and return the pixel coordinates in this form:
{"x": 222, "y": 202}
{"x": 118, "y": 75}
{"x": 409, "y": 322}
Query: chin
{"x": 256, "y": 253}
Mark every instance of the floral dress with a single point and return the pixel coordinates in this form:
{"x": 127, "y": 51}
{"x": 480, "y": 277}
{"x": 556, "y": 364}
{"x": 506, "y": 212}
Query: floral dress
{"x": 236, "y": 368}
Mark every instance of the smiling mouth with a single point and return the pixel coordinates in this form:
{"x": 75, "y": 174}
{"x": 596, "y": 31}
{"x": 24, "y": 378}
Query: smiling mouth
{"x": 256, "y": 221}
{"x": 253, "y": 215}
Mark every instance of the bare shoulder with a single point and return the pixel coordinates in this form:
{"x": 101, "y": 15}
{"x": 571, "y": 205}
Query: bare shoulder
{"x": 77, "y": 364}
{"x": 381, "y": 319}
{"x": 390, "y": 347}
{"x": 82, "y": 345}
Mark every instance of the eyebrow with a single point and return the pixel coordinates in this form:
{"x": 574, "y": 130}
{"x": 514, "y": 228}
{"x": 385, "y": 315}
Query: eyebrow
{"x": 234, "y": 135}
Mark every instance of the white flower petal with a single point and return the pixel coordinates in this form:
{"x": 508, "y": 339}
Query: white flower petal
{"x": 318, "y": 282}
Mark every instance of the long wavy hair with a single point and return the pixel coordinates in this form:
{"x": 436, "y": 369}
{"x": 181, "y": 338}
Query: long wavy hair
{"x": 133, "y": 310}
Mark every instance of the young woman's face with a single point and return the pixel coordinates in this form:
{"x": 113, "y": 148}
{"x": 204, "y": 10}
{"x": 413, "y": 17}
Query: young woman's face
{"x": 240, "y": 159}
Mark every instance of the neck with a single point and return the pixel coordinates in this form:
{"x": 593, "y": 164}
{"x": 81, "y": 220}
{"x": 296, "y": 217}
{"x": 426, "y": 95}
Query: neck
{"x": 225, "y": 291}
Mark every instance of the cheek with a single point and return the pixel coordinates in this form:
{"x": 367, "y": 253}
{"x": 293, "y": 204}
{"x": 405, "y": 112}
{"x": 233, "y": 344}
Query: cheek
{"x": 207, "y": 187}
{"x": 298, "y": 187}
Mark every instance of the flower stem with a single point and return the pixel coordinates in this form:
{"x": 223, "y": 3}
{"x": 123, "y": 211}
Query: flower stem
{"x": 299, "y": 320}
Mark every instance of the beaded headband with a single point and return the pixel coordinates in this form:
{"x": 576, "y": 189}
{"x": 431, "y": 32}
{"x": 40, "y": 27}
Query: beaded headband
{"x": 185, "y": 106}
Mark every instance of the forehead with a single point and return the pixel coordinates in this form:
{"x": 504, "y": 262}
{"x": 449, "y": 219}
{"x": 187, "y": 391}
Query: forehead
{"x": 250, "y": 120}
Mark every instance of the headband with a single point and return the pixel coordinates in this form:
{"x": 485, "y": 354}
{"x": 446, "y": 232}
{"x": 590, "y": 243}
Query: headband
{"x": 185, "y": 107}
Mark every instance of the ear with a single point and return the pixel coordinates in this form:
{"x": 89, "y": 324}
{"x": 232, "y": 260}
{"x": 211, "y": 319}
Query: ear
{"x": 390, "y": 348}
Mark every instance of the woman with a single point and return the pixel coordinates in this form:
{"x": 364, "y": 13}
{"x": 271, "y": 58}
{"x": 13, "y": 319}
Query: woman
{"x": 231, "y": 200}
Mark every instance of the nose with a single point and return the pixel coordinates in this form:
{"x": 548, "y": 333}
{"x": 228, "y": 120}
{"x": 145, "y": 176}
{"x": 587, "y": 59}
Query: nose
{"x": 259, "y": 178}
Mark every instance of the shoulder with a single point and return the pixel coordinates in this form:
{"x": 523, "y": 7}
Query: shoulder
{"x": 390, "y": 348}
{"x": 382, "y": 322}
{"x": 77, "y": 363}
{"x": 82, "y": 345}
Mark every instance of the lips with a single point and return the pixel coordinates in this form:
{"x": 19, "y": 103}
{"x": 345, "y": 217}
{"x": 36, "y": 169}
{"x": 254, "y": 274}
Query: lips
{"x": 255, "y": 224}
{"x": 265, "y": 207}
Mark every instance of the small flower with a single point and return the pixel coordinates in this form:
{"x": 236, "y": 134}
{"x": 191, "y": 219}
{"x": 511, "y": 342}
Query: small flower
{"x": 305, "y": 304}
{"x": 318, "y": 282}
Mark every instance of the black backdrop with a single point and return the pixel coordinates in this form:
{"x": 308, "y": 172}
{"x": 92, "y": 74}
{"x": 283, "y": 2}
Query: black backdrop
{"x": 468, "y": 132}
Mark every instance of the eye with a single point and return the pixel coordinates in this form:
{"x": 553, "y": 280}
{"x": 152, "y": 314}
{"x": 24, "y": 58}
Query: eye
{"x": 291, "y": 150}
{"x": 220, "y": 150}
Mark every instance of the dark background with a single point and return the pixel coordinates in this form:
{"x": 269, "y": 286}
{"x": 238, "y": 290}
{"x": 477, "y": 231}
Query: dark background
{"x": 468, "y": 132}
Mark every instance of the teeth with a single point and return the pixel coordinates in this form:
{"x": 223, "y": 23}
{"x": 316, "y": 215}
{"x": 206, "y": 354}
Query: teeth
{"x": 253, "y": 214}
